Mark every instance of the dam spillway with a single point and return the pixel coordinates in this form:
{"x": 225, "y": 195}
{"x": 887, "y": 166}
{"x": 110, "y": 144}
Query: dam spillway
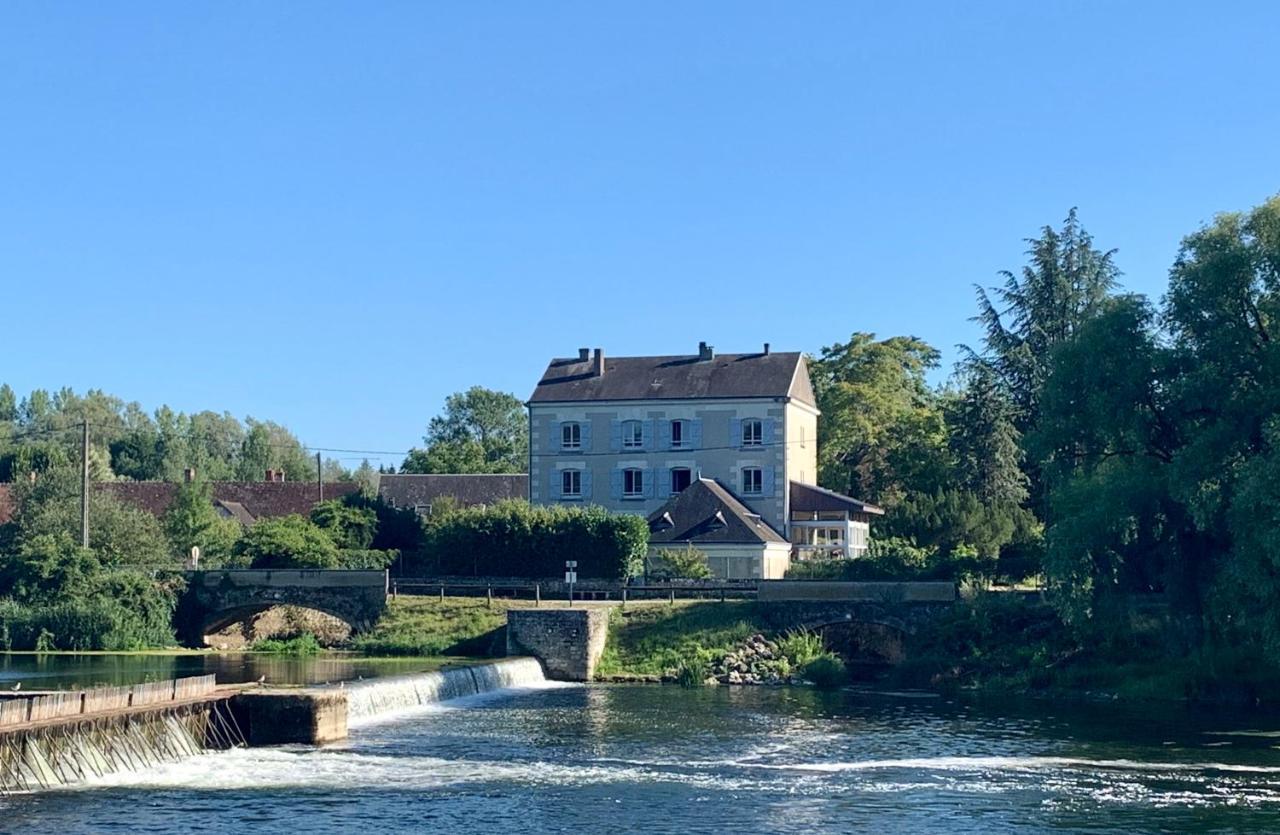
{"x": 367, "y": 700}
{"x": 57, "y": 739}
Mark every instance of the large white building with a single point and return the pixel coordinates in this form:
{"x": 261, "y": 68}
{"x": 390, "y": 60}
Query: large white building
{"x": 634, "y": 434}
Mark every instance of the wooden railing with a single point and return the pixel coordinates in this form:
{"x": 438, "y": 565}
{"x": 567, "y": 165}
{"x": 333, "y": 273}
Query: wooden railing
{"x": 21, "y": 710}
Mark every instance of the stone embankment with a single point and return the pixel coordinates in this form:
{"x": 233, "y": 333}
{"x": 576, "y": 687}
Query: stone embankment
{"x": 757, "y": 661}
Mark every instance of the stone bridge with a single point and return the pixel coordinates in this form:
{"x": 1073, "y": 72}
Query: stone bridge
{"x": 867, "y": 622}
{"x": 216, "y": 599}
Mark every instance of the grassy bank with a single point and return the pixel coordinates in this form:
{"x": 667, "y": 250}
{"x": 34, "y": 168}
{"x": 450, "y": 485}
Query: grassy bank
{"x": 656, "y": 640}
{"x": 431, "y": 626}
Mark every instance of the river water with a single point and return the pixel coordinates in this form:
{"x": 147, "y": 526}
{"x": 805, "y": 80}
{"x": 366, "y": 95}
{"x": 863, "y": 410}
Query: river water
{"x": 633, "y": 758}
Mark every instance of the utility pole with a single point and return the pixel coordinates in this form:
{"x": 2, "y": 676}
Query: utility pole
{"x": 319, "y": 480}
{"x": 84, "y": 485}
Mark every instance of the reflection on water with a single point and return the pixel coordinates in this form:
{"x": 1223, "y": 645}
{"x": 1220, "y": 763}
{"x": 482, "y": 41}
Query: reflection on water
{"x": 71, "y": 671}
{"x": 662, "y": 759}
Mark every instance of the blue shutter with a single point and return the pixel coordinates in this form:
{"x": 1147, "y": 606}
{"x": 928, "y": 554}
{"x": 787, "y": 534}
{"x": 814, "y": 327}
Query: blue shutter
{"x": 586, "y": 436}
{"x": 615, "y": 483}
{"x": 556, "y": 485}
{"x": 648, "y": 477}
{"x": 557, "y": 438}
{"x": 735, "y": 433}
{"x": 662, "y": 483}
{"x": 664, "y": 434}
{"x": 646, "y": 435}
{"x": 695, "y": 433}
{"x": 767, "y": 480}
{"x": 586, "y": 485}
{"x": 615, "y": 435}
{"x": 769, "y": 432}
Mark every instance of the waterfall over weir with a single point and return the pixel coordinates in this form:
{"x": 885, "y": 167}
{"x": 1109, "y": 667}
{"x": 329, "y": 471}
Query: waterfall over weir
{"x": 367, "y": 700}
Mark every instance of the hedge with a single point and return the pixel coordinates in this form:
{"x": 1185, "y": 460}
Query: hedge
{"x": 516, "y": 539}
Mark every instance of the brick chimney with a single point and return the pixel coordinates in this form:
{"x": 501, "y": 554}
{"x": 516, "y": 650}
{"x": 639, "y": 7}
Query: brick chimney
{"x": 271, "y": 475}
{"x": 584, "y": 355}
{"x": 189, "y": 475}
{"x": 766, "y": 349}
{"x": 705, "y": 352}
{"x": 280, "y": 476}
{"x": 598, "y": 369}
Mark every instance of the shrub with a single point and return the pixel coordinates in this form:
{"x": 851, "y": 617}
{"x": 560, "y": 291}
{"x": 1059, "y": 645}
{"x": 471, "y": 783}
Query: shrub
{"x": 365, "y": 559}
{"x": 515, "y": 539}
{"x": 287, "y": 542}
{"x": 297, "y": 645}
{"x": 349, "y": 527}
{"x": 801, "y": 646}
{"x": 694, "y": 669}
{"x": 686, "y": 563}
{"x": 827, "y": 671}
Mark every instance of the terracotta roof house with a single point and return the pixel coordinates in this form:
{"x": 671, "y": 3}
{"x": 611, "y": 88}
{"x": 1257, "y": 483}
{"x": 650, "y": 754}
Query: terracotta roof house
{"x": 409, "y": 490}
{"x": 629, "y": 433}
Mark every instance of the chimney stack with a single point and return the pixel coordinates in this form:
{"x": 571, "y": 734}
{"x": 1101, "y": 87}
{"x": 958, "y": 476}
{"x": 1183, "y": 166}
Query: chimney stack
{"x": 584, "y": 355}
{"x": 280, "y": 476}
{"x": 706, "y": 352}
{"x": 599, "y": 363}
{"x": 271, "y": 475}
{"x": 189, "y": 475}
{"x": 766, "y": 349}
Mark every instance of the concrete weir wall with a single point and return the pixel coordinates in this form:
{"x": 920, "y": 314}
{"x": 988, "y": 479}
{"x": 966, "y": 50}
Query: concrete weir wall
{"x": 568, "y": 642}
{"x": 283, "y": 717}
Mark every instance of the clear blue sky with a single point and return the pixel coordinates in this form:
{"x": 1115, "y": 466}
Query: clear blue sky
{"x": 333, "y": 215}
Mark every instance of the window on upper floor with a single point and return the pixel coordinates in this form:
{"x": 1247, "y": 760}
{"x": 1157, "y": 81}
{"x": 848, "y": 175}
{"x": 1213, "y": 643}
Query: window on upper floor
{"x": 571, "y": 483}
{"x": 632, "y": 483}
{"x": 753, "y": 432}
{"x": 752, "y": 481}
{"x": 571, "y": 435}
{"x": 632, "y": 434}
{"x": 679, "y": 434}
{"x": 681, "y": 477}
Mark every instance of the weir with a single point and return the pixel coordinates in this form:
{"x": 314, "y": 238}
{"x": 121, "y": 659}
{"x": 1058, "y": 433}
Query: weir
{"x": 368, "y": 699}
{"x": 57, "y": 739}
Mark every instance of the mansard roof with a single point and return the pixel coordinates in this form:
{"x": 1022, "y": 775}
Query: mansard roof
{"x": 769, "y": 374}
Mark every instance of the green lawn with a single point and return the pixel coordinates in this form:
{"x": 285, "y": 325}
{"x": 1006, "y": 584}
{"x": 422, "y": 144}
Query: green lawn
{"x": 431, "y": 626}
{"x": 656, "y": 639}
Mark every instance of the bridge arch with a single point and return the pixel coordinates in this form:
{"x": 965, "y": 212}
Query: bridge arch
{"x": 217, "y": 599}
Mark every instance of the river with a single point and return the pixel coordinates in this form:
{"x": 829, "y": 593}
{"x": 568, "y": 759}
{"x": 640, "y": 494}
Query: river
{"x": 634, "y": 758}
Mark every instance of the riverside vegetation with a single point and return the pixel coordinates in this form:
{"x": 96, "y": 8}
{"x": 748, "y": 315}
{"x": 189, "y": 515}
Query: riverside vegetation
{"x": 1123, "y": 452}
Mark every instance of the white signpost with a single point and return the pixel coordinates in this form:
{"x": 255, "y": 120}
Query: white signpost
{"x": 571, "y": 576}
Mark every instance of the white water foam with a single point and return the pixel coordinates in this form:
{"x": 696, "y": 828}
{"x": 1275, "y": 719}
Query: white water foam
{"x": 395, "y": 697}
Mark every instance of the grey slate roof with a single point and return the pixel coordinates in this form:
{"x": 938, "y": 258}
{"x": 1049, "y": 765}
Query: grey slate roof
{"x": 776, "y": 374}
{"x": 408, "y": 490}
{"x": 809, "y": 498}
{"x": 707, "y": 512}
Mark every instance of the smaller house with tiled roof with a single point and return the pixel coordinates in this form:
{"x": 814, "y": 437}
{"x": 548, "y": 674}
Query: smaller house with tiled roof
{"x": 737, "y": 542}
{"x": 419, "y": 492}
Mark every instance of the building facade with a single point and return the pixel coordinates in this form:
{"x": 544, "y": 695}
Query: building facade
{"x": 630, "y": 433}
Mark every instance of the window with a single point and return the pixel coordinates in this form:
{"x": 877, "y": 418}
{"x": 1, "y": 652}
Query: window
{"x": 423, "y": 509}
{"x": 752, "y": 481}
{"x": 632, "y": 484}
{"x": 753, "y": 433}
{"x": 570, "y": 436}
{"x": 632, "y": 435}
{"x": 679, "y": 434}
{"x": 680, "y": 479}
{"x": 571, "y": 484}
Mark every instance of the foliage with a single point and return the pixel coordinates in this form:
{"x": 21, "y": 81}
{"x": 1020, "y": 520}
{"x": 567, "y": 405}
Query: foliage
{"x": 801, "y": 646}
{"x": 480, "y": 431}
{"x": 658, "y": 640}
{"x": 191, "y": 521}
{"x": 694, "y": 670}
{"x": 349, "y": 526}
{"x": 686, "y": 563}
{"x": 287, "y": 542}
{"x": 515, "y": 539}
{"x": 827, "y": 671}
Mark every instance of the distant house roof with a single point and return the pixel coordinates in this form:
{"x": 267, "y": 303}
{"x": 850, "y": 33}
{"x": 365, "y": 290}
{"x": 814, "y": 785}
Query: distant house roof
{"x": 234, "y": 510}
{"x": 410, "y": 490}
{"x": 772, "y": 374}
{"x": 706, "y": 512}
{"x": 809, "y": 498}
{"x": 245, "y": 500}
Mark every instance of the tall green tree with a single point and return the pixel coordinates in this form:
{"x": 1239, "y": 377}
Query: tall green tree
{"x": 191, "y": 521}
{"x": 480, "y": 431}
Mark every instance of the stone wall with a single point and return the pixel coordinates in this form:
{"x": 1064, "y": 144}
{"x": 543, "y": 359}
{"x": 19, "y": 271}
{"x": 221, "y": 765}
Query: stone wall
{"x": 568, "y": 642}
{"x": 284, "y": 717}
